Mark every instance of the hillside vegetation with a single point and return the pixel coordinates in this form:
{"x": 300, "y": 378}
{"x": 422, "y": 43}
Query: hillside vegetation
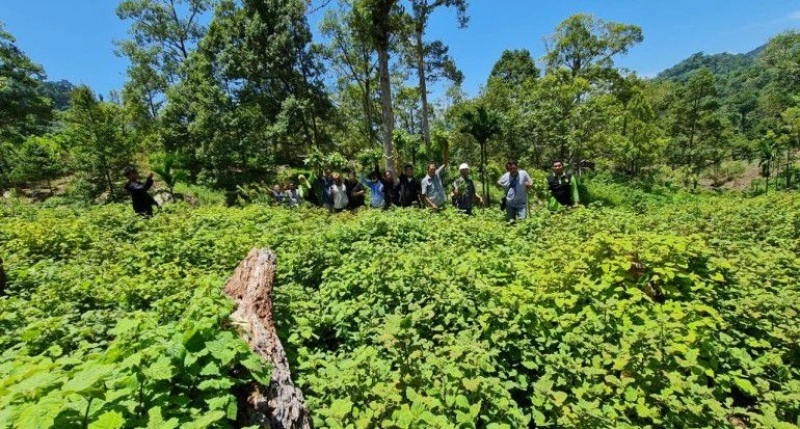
{"x": 675, "y": 311}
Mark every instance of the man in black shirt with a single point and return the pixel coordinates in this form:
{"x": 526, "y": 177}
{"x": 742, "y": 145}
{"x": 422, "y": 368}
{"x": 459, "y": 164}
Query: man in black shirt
{"x": 408, "y": 187}
{"x": 142, "y": 201}
{"x": 355, "y": 192}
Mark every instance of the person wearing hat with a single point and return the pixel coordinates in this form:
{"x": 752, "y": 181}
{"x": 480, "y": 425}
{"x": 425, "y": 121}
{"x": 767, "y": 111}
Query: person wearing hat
{"x": 464, "y": 191}
{"x": 142, "y": 201}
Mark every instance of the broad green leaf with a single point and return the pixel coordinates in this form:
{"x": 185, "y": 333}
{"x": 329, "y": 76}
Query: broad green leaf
{"x": 109, "y": 420}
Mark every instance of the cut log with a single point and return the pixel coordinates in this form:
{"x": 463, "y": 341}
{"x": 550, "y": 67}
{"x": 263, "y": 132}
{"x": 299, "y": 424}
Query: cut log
{"x": 281, "y": 405}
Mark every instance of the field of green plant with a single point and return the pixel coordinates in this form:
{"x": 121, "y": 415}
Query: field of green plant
{"x": 674, "y": 312}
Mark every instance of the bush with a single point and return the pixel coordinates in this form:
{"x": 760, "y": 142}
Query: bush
{"x": 682, "y": 315}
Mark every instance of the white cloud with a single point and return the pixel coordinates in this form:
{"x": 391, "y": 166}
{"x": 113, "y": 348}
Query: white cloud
{"x": 795, "y": 16}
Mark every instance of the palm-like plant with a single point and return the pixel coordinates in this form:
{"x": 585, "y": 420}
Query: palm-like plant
{"x": 768, "y": 153}
{"x": 482, "y": 124}
{"x": 168, "y": 172}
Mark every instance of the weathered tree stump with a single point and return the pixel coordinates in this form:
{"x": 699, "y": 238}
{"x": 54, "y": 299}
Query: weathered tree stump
{"x": 250, "y": 286}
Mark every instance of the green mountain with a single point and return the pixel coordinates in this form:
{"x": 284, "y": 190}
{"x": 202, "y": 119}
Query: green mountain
{"x": 719, "y": 64}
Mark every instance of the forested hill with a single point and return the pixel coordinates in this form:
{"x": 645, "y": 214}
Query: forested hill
{"x": 719, "y": 64}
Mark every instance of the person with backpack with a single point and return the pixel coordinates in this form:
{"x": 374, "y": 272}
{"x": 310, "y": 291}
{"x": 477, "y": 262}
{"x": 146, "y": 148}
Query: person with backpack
{"x": 563, "y": 187}
{"x": 464, "y": 191}
{"x": 142, "y": 201}
{"x": 515, "y": 183}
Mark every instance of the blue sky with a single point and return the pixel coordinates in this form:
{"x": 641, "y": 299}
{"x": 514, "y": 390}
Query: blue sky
{"x": 73, "y": 39}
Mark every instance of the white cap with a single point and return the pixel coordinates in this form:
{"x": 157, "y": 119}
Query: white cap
{"x": 463, "y": 166}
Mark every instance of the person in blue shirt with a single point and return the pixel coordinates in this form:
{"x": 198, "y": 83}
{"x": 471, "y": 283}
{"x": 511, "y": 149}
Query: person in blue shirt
{"x": 377, "y": 197}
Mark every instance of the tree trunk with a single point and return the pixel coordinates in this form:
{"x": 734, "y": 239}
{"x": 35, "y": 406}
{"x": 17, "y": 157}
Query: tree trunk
{"x": 250, "y": 286}
{"x": 108, "y": 181}
{"x": 484, "y": 176}
{"x": 423, "y": 88}
{"x": 386, "y": 105}
{"x": 2, "y": 279}
{"x": 368, "y": 107}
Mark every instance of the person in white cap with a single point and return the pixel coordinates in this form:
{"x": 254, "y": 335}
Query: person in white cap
{"x": 464, "y": 191}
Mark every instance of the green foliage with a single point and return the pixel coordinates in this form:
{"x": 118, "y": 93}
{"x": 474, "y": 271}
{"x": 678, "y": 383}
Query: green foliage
{"x": 38, "y": 158}
{"x": 120, "y": 322}
{"x": 586, "y": 45}
{"x": 22, "y": 109}
{"x": 99, "y": 149}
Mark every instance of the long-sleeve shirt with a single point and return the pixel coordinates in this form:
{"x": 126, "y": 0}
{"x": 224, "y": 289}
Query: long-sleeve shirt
{"x": 409, "y": 189}
{"x": 142, "y": 201}
{"x": 375, "y": 192}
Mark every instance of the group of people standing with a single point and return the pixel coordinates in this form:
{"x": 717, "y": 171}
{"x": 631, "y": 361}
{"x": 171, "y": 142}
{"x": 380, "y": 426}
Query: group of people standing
{"x": 338, "y": 192}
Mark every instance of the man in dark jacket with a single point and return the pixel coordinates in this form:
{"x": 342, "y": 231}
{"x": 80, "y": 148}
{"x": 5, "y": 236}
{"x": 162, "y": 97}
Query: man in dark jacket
{"x": 408, "y": 187}
{"x": 142, "y": 201}
{"x": 355, "y": 192}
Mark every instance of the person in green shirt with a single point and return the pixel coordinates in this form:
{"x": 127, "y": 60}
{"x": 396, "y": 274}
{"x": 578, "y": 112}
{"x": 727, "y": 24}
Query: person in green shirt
{"x": 563, "y": 187}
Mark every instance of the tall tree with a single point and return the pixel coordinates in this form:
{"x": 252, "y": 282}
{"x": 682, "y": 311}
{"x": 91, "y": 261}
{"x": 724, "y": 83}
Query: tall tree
{"x": 254, "y": 92}
{"x": 431, "y": 59}
{"x": 378, "y": 21}
{"x": 353, "y": 61}
{"x": 482, "y": 124}
{"x": 698, "y": 127}
{"x": 163, "y": 35}
{"x": 97, "y": 137}
{"x": 587, "y": 45}
{"x": 22, "y": 110}
{"x": 515, "y": 67}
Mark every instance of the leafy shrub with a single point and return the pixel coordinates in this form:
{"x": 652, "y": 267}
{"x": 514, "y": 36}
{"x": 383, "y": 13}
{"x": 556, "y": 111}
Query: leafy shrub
{"x": 681, "y": 315}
